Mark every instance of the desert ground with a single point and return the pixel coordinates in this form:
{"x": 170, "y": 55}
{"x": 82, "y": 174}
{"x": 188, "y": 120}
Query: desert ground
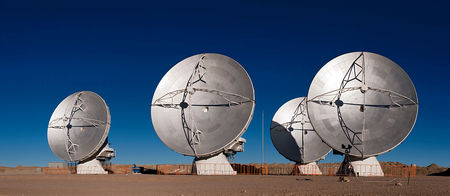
{"x": 141, "y": 184}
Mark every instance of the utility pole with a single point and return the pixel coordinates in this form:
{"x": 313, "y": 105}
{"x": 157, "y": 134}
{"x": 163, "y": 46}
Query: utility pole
{"x": 262, "y": 140}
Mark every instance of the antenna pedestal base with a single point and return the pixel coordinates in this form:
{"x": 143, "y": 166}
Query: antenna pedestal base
{"x": 360, "y": 167}
{"x": 366, "y": 167}
{"x": 215, "y": 165}
{"x": 93, "y": 166}
{"x": 309, "y": 169}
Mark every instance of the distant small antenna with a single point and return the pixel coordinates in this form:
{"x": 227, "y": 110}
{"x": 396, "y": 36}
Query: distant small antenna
{"x": 293, "y": 135}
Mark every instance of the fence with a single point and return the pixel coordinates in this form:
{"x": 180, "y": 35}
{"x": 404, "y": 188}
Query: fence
{"x": 174, "y": 169}
{"x": 60, "y": 170}
{"x": 212, "y": 169}
{"x": 326, "y": 169}
{"x": 389, "y": 170}
{"x": 72, "y": 169}
{"x": 251, "y": 169}
{"x": 119, "y": 169}
{"x": 399, "y": 170}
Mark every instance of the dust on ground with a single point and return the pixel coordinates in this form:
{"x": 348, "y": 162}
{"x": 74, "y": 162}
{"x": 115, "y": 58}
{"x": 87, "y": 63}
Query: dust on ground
{"x": 139, "y": 184}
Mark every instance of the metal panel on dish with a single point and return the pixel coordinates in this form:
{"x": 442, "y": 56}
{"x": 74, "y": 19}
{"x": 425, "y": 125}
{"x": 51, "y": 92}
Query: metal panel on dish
{"x": 79, "y": 126}
{"x": 203, "y": 105}
{"x": 362, "y": 104}
{"x": 293, "y": 135}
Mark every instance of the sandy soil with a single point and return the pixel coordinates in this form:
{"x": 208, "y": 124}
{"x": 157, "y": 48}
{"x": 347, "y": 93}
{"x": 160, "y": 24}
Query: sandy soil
{"x": 217, "y": 185}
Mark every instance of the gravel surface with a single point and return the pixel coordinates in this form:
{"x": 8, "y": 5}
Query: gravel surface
{"x": 218, "y": 185}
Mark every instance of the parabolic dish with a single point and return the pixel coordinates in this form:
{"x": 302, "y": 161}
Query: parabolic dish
{"x": 203, "y": 104}
{"x": 293, "y": 135}
{"x": 362, "y": 104}
{"x": 79, "y": 126}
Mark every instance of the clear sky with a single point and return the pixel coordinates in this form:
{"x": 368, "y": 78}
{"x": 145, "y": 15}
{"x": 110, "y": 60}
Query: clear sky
{"x": 121, "y": 50}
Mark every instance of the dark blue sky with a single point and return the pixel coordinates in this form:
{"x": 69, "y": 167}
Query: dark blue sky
{"x": 121, "y": 50}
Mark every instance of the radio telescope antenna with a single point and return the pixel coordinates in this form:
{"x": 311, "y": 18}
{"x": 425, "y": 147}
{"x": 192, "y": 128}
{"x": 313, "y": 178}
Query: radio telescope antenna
{"x": 362, "y": 105}
{"x": 201, "y": 108}
{"x": 78, "y": 131}
{"x": 294, "y": 137}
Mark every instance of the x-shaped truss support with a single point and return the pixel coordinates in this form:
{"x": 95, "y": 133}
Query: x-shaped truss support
{"x": 299, "y": 117}
{"x": 168, "y": 100}
{"x": 356, "y": 72}
{"x": 65, "y": 123}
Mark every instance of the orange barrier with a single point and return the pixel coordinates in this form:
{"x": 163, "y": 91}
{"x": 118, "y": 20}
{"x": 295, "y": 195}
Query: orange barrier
{"x": 250, "y": 169}
{"x": 399, "y": 170}
{"x": 329, "y": 169}
{"x": 60, "y": 171}
{"x": 174, "y": 169}
{"x": 118, "y": 169}
{"x": 214, "y": 169}
{"x": 72, "y": 169}
{"x": 326, "y": 169}
{"x": 333, "y": 169}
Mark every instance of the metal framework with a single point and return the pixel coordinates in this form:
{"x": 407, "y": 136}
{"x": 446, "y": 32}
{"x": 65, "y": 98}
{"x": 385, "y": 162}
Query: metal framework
{"x": 190, "y": 129}
{"x": 357, "y": 72}
{"x": 300, "y": 112}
